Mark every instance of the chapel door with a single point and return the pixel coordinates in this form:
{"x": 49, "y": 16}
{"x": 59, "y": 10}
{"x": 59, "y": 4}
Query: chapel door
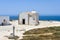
{"x": 23, "y": 21}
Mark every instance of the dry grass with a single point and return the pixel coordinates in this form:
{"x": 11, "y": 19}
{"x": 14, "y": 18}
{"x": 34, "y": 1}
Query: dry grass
{"x": 34, "y": 34}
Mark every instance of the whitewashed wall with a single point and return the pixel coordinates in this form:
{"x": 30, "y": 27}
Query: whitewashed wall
{"x": 23, "y": 16}
{"x": 4, "y": 17}
{"x": 33, "y": 20}
{"x": 30, "y": 21}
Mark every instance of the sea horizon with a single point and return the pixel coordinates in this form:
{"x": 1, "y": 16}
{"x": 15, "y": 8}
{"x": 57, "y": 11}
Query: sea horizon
{"x": 55, "y": 18}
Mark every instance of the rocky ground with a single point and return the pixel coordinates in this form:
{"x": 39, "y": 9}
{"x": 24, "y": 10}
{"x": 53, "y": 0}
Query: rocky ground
{"x": 21, "y": 29}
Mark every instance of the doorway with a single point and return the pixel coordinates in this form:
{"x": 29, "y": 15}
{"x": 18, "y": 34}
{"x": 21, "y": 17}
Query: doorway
{"x": 23, "y": 21}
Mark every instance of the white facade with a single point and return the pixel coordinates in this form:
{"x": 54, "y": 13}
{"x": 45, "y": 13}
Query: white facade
{"x": 29, "y": 18}
{"x": 22, "y": 17}
{"x": 4, "y": 20}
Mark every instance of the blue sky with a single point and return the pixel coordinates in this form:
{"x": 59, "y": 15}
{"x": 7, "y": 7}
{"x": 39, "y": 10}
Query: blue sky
{"x": 43, "y": 7}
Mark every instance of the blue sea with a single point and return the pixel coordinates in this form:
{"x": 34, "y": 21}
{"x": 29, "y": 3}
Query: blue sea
{"x": 56, "y": 18}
